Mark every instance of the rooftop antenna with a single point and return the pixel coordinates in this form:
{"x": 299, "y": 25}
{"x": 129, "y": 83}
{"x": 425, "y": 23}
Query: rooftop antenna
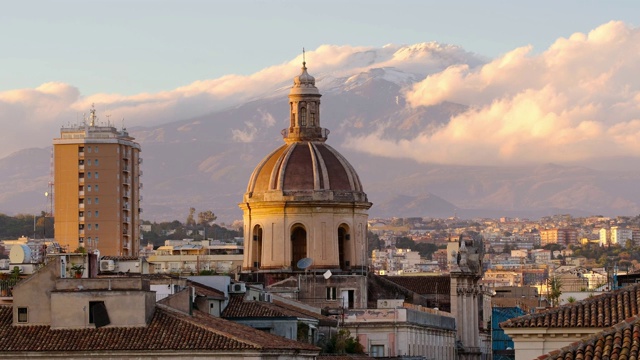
{"x": 108, "y": 119}
{"x": 92, "y": 117}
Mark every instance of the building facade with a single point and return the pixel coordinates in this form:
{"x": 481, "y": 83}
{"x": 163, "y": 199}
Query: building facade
{"x": 97, "y": 189}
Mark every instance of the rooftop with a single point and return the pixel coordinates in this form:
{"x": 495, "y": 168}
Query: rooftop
{"x": 168, "y": 330}
{"x": 599, "y": 311}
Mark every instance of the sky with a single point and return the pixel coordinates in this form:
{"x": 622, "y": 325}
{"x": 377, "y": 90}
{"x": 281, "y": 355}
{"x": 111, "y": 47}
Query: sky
{"x": 157, "y": 61}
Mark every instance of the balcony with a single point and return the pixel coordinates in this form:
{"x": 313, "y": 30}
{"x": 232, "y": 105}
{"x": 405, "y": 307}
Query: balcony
{"x": 81, "y": 232}
{"x": 81, "y": 167}
{"x": 81, "y": 155}
{"x": 81, "y": 218}
{"x": 126, "y": 220}
{"x": 81, "y": 181}
{"x": 125, "y": 169}
{"x": 139, "y": 210}
{"x": 140, "y": 173}
{"x": 140, "y": 161}
{"x": 81, "y": 206}
{"x": 81, "y": 193}
{"x": 126, "y": 194}
{"x": 140, "y": 186}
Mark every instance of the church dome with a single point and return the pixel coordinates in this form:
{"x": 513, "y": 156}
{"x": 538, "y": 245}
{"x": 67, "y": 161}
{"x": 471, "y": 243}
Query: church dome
{"x": 306, "y": 169}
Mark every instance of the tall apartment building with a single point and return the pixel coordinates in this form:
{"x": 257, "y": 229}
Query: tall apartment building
{"x": 97, "y": 189}
{"x": 564, "y": 237}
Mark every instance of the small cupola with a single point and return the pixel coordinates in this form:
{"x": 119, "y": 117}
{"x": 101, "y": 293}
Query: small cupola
{"x": 304, "y": 102}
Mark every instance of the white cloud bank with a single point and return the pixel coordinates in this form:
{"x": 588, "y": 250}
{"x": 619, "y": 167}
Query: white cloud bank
{"x": 37, "y": 114}
{"x": 578, "y": 100}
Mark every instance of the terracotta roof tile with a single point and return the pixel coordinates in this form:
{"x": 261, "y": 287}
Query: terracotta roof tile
{"x": 205, "y": 290}
{"x": 618, "y": 342}
{"x": 600, "y": 311}
{"x": 168, "y": 330}
{"x": 240, "y": 308}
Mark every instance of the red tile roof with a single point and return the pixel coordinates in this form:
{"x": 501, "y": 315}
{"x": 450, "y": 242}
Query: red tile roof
{"x": 205, "y": 290}
{"x": 240, "y": 308}
{"x": 169, "y": 330}
{"x": 600, "y": 311}
{"x": 616, "y": 343}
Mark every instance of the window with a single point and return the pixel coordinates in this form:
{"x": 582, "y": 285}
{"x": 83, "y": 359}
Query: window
{"x": 23, "y": 315}
{"x": 88, "y": 201}
{"x": 96, "y": 175}
{"x": 96, "y": 187}
{"x": 89, "y": 175}
{"x": 377, "y": 351}
{"x": 303, "y": 116}
{"x": 96, "y": 149}
{"x": 89, "y": 240}
{"x": 88, "y": 148}
{"x": 88, "y": 187}
{"x": 97, "y": 238}
{"x": 95, "y": 162}
{"x": 96, "y": 213}
{"x": 331, "y": 292}
{"x": 98, "y": 314}
{"x": 89, "y": 162}
{"x": 96, "y": 201}
{"x": 313, "y": 119}
{"x": 81, "y": 213}
{"x": 96, "y": 226}
{"x": 88, "y": 226}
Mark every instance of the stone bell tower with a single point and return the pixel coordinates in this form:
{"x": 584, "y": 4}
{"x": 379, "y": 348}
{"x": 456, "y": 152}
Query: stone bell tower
{"x": 466, "y": 270}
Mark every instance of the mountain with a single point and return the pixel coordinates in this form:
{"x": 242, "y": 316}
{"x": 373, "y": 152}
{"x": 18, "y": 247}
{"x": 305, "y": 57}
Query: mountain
{"x": 206, "y": 161}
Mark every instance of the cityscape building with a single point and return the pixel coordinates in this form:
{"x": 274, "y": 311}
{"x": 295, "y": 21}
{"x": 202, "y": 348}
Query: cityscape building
{"x": 97, "y": 188}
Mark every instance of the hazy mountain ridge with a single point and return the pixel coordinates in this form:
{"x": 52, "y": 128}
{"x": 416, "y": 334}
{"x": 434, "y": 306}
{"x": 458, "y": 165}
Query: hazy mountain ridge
{"x": 206, "y": 161}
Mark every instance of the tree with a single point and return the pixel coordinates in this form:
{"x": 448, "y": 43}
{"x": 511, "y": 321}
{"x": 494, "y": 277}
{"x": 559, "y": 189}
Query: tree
{"x": 343, "y": 343}
{"x": 190, "y": 220}
{"x": 554, "y": 289}
{"x": 205, "y": 218}
{"x": 405, "y": 243}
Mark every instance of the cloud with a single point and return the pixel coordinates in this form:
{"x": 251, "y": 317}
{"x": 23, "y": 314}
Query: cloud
{"x": 37, "y": 114}
{"x": 245, "y": 135}
{"x": 575, "y": 101}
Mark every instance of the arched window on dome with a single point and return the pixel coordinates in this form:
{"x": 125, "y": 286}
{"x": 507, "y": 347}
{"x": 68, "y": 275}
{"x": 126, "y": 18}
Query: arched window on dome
{"x": 256, "y": 247}
{"x": 345, "y": 255}
{"x": 298, "y": 244}
{"x": 303, "y": 116}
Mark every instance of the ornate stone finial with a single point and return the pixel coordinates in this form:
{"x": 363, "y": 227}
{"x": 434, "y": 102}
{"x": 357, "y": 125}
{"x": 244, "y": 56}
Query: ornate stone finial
{"x": 304, "y": 61}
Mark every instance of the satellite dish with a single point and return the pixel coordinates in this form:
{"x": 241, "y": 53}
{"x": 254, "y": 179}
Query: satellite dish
{"x": 20, "y": 254}
{"x": 327, "y": 274}
{"x": 304, "y": 263}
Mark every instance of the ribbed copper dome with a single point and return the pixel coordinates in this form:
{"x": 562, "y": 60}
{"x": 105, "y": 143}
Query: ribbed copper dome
{"x": 306, "y": 169}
